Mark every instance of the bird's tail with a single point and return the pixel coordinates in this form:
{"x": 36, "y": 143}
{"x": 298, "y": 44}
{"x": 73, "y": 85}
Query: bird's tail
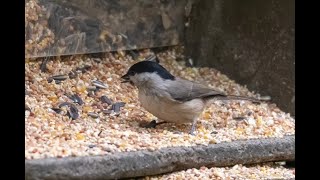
{"x": 255, "y": 100}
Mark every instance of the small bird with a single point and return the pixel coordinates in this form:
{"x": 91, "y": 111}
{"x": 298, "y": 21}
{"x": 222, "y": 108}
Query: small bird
{"x": 169, "y": 98}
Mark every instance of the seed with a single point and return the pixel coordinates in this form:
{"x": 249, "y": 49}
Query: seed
{"x": 91, "y": 88}
{"x": 133, "y": 54}
{"x": 83, "y": 69}
{"x": 90, "y": 94}
{"x": 57, "y": 78}
{"x": 26, "y": 107}
{"x": 76, "y": 99}
{"x": 239, "y": 118}
{"x": 105, "y": 99}
{"x": 60, "y": 77}
{"x": 107, "y": 111}
{"x": 72, "y": 74}
{"x": 64, "y": 104}
{"x": 116, "y": 106}
{"x": 97, "y": 60}
{"x": 99, "y": 84}
{"x": 94, "y": 115}
{"x": 92, "y": 146}
{"x": 73, "y": 112}
{"x": 43, "y": 66}
{"x": 57, "y": 110}
{"x": 152, "y": 58}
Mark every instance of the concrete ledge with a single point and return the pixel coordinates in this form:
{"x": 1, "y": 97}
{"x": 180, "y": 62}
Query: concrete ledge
{"x": 143, "y": 163}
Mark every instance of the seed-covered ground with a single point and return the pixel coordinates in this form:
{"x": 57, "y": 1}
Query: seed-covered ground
{"x": 237, "y": 172}
{"x": 77, "y": 106}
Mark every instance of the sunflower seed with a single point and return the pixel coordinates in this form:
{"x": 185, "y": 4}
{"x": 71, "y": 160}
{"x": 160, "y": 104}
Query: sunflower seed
{"x": 134, "y": 54}
{"x": 107, "y": 111}
{"x": 64, "y": 104}
{"x": 57, "y": 81}
{"x": 152, "y": 58}
{"x": 90, "y": 94}
{"x": 26, "y": 108}
{"x": 97, "y": 60}
{"x": 99, "y": 133}
{"x": 60, "y": 77}
{"x": 92, "y": 146}
{"x": 83, "y": 69}
{"x": 214, "y": 132}
{"x": 239, "y": 118}
{"x": 72, "y": 74}
{"x": 57, "y": 110}
{"x": 94, "y": 115}
{"x": 105, "y": 99}
{"x": 57, "y": 78}
{"x": 76, "y": 99}
{"x": 73, "y": 112}
{"x": 43, "y": 66}
{"x": 121, "y": 104}
{"x": 116, "y": 106}
{"x": 99, "y": 84}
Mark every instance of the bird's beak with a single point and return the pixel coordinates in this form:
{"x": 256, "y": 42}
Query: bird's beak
{"x": 125, "y": 78}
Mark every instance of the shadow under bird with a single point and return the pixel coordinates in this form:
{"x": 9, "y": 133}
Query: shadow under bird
{"x": 172, "y": 99}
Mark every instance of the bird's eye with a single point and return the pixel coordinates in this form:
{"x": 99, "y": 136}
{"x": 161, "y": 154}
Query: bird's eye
{"x": 132, "y": 73}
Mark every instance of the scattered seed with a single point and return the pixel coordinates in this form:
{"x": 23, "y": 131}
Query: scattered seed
{"x": 64, "y": 104}
{"x": 94, "y": 115}
{"x": 83, "y": 69}
{"x": 43, "y": 66}
{"x": 76, "y": 99}
{"x": 99, "y": 133}
{"x": 105, "y": 99}
{"x": 57, "y": 110}
{"x": 91, "y": 94}
{"x": 133, "y": 54}
{"x": 26, "y": 108}
{"x": 239, "y": 118}
{"x": 60, "y": 77}
{"x": 58, "y": 81}
{"x": 92, "y": 145}
{"x": 99, "y": 84}
{"x": 116, "y": 106}
{"x": 73, "y": 112}
{"x": 97, "y": 89}
{"x": 97, "y": 60}
{"x": 107, "y": 111}
{"x": 152, "y": 58}
{"x": 91, "y": 88}
{"x": 214, "y": 132}
{"x": 72, "y": 74}
{"x": 57, "y": 78}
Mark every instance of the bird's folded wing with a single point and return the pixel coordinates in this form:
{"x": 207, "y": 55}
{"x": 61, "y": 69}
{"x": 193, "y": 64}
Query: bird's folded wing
{"x": 184, "y": 90}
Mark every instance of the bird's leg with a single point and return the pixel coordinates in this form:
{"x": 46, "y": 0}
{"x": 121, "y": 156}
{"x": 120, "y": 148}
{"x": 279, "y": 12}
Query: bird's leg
{"x": 193, "y": 127}
{"x": 153, "y": 124}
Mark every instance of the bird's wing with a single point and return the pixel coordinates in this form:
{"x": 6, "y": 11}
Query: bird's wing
{"x": 184, "y": 90}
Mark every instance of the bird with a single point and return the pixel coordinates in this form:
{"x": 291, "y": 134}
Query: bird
{"x": 170, "y": 98}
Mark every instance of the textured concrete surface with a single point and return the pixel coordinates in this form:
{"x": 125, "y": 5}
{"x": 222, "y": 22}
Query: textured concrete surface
{"x": 252, "y": 41}
{"x": 142, "y": 163}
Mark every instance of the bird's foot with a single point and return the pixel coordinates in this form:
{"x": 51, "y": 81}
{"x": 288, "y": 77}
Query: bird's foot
{"x": 153, "y": 124}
